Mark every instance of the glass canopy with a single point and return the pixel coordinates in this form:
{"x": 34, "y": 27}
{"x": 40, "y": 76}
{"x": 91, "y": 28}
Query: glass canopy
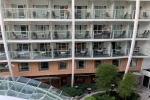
{"x": 30, "y": 89}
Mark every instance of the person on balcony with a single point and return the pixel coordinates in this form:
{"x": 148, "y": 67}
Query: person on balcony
{"x": 103, "y": 31}
{"x": 65, "y": 12}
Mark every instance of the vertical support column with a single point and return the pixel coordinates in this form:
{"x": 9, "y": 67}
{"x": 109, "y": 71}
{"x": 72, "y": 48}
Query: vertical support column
{"x": 73, "y": 41}
{"x": 5, "y": 42}
{"x": 134, "y": 35}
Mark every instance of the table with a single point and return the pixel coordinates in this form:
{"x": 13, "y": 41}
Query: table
{"x": 63, "y": 53}
{"x": 82, "y": 52}
{"x": 22, "y": 53}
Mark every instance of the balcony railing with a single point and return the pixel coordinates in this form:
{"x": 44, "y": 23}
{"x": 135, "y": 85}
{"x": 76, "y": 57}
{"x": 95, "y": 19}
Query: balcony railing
{"x": 143, "y": 34}
{"x": 83, "y": 34}
{"x": 62, "y": 54}
{"x": 103, "y": 52}
{"x": 140, "y": 52}
{"x": 121, "y": 34}
{"x": 36, "y": 13}
{"x": 103, "y": 14}
{"x": 123, "y": 14}
{"x": 61, "y": 34}
{"x": 2, "y": 55}
{"x": 119, "y": 52}
{"x": 82, "y": 14}
{"x": 83, "y": 53}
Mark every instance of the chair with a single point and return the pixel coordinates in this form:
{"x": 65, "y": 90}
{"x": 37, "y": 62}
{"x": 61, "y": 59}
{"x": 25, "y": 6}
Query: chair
{"x": 16, "y": 37}
{"x": 34, "y": 14}
{"x": 87, "y": 35}
{"x": 125, "y": 16}
{"x": 49, "y": 35}
{"x": 145, "y": 35}
{"x": 47, "y": 15}
{"x": 77, "y": 16}
{"x": 145, "y": 15}
{"x": 107, "y": 15}
{"x": 123, "y": 34}
{"x": 86, "y": 52}
{"x": 87, "y": 15}
{"x": 55, "y": 34}
{"x": 136, "y": 50}
{"x": 9, "y": 14}
{"x": 68, "y": 34}
{"x": 55, "y": 53}
{"x": 53, "y": 13}
{"x": 35, "y": 35}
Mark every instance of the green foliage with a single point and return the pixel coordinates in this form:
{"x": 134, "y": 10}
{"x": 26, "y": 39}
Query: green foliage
{"x": 106, "y": 75}
{"x": 71, "y": 91}
{"x": 126, "y": 86}
{"x": 90, "y": 98}
{"x": 103, "y": 96}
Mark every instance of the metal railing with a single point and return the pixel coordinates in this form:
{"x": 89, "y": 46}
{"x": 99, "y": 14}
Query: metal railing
{"x": 144, "y": 14}
{"x": 61, "y": 34}
{"x": 143, "y": 34}
{"x": 82, "y": 14}
{"x": 103, "y": 14}
{"x": 83, "y": 53}
{"x": 119, "y": 52}
{"x": 141, "y": 52}
{"x": 83, "y": 34}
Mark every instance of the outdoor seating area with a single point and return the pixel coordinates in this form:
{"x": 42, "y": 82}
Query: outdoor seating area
{"x": 62, "y": 53}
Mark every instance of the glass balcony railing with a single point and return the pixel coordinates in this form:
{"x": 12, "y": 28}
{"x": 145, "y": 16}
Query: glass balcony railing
{"x": 119, "y": 52}
{"x": 113, "y": 34}
{"x": 30, "y": 55}
{"x": 143, "y": 34}
{"x": 140, "y": 52}
{"x": 144, "y": 14}
{"x": 61, "y": 14}
{"x": 102, "y": 52}
{"x": 123, "y": 14}
{"x": 103, "y": 14}
{"x": 81, "y": 34}
{"x": 83, "y": 53}
{"x": 62, "y": 54}
{"x": 61, "y": 34}
{"x": 1, "y": 36}
{"x": 2, "y": 55}
{"x": 82, "y": 14}
{"x": 30, "y": 89}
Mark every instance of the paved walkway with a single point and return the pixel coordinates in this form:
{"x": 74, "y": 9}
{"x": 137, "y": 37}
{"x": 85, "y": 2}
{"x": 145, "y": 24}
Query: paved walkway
{"x": 144, "y": 93}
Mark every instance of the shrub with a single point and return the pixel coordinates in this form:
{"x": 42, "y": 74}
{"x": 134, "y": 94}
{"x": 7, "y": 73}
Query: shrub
{"x": 71, "y": 91}
{"x": 90, "y": 98}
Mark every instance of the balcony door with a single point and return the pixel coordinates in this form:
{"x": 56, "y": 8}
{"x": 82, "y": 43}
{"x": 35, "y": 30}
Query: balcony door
{"x": 43, "y": 47}
{"x": 62, "y": 46}
{"x": 21, "y": 29}
{"x": 23, "y": 47}
{"x": 115, "y": 45}
{"x": 100, "y": 11}
{"x": 42, "y": 29}
{"x": 40, "y": 10}
{"x": 59, "y": 10}
{"x": 119, "y": 12}
{"x": 80, "y": 29}
{"x": 98, "y": 45}
{"x": 80, "y": 46}
{"x": 98, "y": 28}
{"x": 81, "y": 11}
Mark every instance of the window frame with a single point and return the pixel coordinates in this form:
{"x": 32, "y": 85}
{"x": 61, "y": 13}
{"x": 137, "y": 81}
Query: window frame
{"x": 119, "y": 61}
{"x": 77, "y": 64}
{"x": 20, "y": 67}
{"x": 132, "y": 61}
{"x": 40, "y": 67}
{"x": 66, "y": 62}
{"x": 102, "y": 62}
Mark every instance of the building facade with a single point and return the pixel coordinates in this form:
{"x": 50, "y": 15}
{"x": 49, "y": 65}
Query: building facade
{"x": 64, "y": 41}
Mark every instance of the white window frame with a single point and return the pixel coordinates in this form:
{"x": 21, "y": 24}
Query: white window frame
{"x": 59, "y": 67}
{"x": 41, "y": 64}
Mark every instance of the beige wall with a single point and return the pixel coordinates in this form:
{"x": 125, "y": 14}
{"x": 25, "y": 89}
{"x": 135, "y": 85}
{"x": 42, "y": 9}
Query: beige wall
{"x": 53, "y": 68}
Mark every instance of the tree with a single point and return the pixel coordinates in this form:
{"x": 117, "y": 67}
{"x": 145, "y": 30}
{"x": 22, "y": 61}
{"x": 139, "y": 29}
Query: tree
{"x": 106, "y": 75}
{"x": 126, "y": 86}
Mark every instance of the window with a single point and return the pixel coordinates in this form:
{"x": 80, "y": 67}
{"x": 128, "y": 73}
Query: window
{"x": 81, "y": 65}
{"x": 116, "y": 62}
{"x": 23, "y": 67}
{"x": 3, "y": 68}
{"x": 133, "y": 63}
{"x": 24, "y": 47}
{"x": 62, "y": 46}
{"x": 62, "y": 65}
{"x": 43, "y": 66}
{"x": 98, "y": 62}
{"x": 80, "y": 46}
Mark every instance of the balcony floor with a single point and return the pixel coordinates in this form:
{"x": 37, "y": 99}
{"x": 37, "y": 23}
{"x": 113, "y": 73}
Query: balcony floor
{"x": 139, "y": 54}
{"x": 101, "y": 55}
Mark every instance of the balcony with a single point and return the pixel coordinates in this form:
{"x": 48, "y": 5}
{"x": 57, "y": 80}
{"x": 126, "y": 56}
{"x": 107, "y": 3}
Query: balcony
{"x": 119, "y": 52}
{"x": 30, "y": 55}
{"x": 2, "y": 55}
{"x": 36, "y": 13}
{"x": 113, "y": 34}
{"x": 123, "y": 14}
{"x": 83, "y": 53}
{"x": 82, "y": 34}
{"x": 62, "y": 54}
{"x": 103, "y": 14}
{"x": 140, "y": 52}
{"x": 143, "y": 34}
{"x": 103, "y": 52}
{"x": 58, "y": 35}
